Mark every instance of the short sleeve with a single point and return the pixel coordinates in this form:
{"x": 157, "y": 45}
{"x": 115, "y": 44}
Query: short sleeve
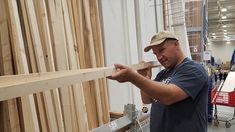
{"x": 191, "y": 78}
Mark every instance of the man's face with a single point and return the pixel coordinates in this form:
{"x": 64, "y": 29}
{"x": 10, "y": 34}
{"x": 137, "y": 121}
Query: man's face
{"x": 166, "y": 53}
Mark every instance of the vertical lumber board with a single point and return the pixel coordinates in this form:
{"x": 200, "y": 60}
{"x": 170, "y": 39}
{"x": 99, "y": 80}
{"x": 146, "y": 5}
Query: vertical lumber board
{"x": 30, "y": 120}
{"x": 69, "y": 41}
{"x": 28, "y": 37}
{"x": 77, "y": 10}
{"x": 41, "y": 13}
{"x": 49, "y": 109}
{"x": 11, "y": 115}
{"x": 73, "y": 63}
{"x": 98, "y": 44}
{"x": 3, "y": 117}
{"x": 6, "y": 57}
{"x": 9, "y": 110}
{"x": 78, "y": 15}
{"x": 78, "y": 27}
{"x": 96, "y": 31}
{"x": 93, "y": 60}
{"x": 42, "y": 18}
{"x": 6, "y": 122}
{"x": 58, "y": 39}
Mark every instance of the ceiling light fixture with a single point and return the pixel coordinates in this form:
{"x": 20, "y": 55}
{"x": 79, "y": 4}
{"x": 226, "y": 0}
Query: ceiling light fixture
{"x": 228, "y": 42}
{"x": 223, "y": 9}
{"x": 213, "y": 33}
{"x": 224, "y": 26}
{"x": 225, "y": 33}
{"x": 224, "y": 17}
{"x": 225, "y": 30}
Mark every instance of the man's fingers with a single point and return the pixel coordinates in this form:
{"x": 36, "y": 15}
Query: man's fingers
{"x": 121, "y": 74}
{"x": 119, "y": 66}
{"x": 110, "y": 77}
{"x": 118, "y": 73}
{"x": 120, "y": 69}
{"x": 141, "y": 62}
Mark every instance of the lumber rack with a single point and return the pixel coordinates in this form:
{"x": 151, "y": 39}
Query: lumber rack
{"x": 132, "y": 121}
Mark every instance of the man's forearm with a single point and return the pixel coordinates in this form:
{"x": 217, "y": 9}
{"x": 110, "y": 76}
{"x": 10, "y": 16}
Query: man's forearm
{"x": 146, "y": 99}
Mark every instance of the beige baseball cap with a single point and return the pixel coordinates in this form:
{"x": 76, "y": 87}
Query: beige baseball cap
{"x": 159, "y": 38}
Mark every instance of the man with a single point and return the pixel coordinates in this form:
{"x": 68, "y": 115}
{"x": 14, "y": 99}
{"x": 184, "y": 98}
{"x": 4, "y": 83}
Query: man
{"x": 178, "y": 93}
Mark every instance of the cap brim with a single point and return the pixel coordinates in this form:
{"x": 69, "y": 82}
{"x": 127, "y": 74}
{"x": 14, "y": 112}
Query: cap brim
{"x": 146, "y": 49}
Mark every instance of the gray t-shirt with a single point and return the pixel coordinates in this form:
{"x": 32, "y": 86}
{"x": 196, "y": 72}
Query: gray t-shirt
{"x": 190, "y": 114}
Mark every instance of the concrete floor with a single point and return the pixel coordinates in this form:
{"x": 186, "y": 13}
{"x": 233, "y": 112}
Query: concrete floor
{"x": 221, "y": 127}
{"x": 224, "y": 113}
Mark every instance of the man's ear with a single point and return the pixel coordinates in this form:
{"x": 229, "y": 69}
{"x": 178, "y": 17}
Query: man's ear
{"x": 177, "y": 42}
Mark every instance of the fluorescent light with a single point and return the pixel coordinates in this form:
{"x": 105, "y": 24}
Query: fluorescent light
{"x": 225, "y": 30}
{"x": 225, "y": 33}
{"x": 224, "y": 26}
{"x": 214, "y": 36}
{"x": 224, "y": 9}
{"x": 213, "y": 33}
{"x": 224, "y": 17}
{"x": 228, "y": 42}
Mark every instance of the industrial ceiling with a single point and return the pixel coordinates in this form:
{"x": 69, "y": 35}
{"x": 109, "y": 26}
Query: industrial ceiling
{"x": 221, "y": 20}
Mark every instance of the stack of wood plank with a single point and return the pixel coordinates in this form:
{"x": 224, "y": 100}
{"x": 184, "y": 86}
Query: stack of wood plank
{"x": 45, "y": 36}
{"x": 193, "y": 19}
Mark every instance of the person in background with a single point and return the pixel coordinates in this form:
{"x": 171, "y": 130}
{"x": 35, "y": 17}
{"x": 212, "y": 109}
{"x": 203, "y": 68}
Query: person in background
{"x": 216, "y": 76}
{"x": 225, "y": 75}
{"x": 178, "y": 93}
{"x": 220, "y": 75}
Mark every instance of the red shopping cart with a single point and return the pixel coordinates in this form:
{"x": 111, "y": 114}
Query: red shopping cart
{"x": 225, "y": 99}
